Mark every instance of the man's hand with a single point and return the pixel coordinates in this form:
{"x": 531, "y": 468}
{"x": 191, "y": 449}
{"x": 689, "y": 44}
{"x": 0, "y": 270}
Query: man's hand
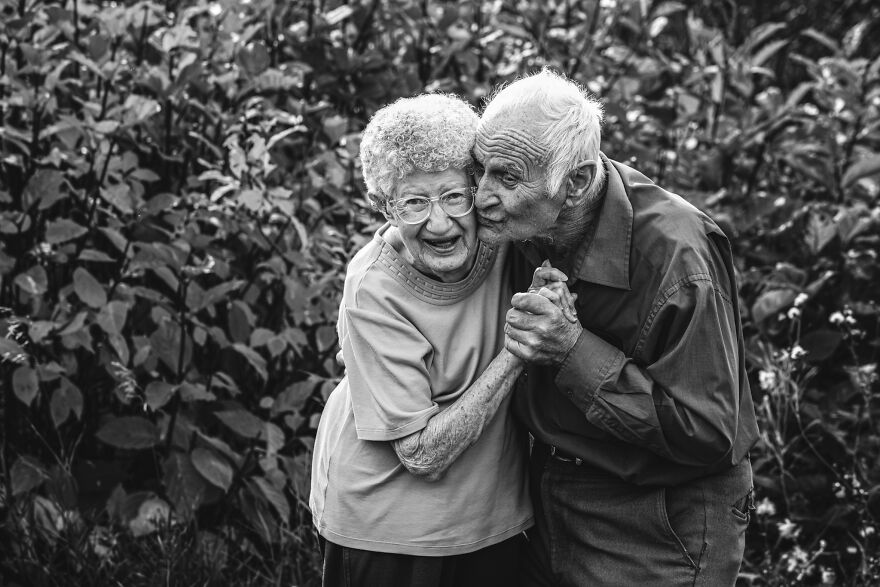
{"x": 549, "y": 282}
{"x": 537, "y": 331}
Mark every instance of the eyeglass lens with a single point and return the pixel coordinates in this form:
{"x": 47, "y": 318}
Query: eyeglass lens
{"x": 455, "y": 203}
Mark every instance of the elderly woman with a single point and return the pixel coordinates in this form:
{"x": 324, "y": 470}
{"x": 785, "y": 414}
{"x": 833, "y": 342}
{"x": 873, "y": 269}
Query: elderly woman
{"x": 418, "y": 476}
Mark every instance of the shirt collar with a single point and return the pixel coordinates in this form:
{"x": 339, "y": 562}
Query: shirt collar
{"x": 604, "y": 259}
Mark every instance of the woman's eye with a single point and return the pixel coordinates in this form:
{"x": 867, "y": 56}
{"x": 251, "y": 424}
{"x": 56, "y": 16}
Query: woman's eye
{"x": 414, "y": 203}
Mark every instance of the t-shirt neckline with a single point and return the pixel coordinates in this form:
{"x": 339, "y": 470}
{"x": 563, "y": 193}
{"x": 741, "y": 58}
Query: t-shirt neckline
{"x": 429, "y": 289}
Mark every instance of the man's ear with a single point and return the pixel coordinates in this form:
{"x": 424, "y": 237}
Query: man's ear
{"x": 578, "y": 183}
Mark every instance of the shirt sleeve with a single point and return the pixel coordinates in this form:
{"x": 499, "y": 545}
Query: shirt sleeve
{"x": 681, "y": 400}
{"x": 386, "y": 364}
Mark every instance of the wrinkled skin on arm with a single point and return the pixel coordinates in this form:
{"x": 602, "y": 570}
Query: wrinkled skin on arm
{"x": 429, "y": 452}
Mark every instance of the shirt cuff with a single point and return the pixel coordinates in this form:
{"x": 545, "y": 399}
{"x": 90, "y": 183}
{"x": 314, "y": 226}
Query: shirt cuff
{"x": 586, "y": 367}
{"x": 419, "y": 422}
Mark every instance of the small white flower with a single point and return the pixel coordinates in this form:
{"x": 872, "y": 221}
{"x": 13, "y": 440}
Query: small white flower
{"x": 797, "y": 558}
{"x": 797, "y": 351}
{"x": 867, "y": 531}
{"x": 836, "y": 318}
{"x": 788, "y": 529}
{"x": 793, "y": 313}
{"x": 851, "y": 549}
{"x": 767, "y": 379}
{"x": 779, "y": 202}
{"x": 800, "y": 299}
{"x": 829, "y": 577}
{"x": 691, "y": 143}
{"x": 765, "y": 507}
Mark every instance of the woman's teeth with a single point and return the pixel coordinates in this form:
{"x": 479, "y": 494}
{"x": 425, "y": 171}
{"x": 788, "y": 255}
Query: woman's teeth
{"x": 442, "y": 245}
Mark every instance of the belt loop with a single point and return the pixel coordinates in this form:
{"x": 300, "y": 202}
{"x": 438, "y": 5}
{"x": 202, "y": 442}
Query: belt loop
{"x": 560, "y": 456}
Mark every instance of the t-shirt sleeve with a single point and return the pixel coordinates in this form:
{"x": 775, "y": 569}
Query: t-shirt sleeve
{"x": 385, "y": 359}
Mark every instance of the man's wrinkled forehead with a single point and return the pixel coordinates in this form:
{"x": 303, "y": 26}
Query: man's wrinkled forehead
{"x": 508, "y": 135}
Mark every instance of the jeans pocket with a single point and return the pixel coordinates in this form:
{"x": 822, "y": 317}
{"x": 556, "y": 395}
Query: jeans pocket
{"x": 742, "y": 509}
{"x": 670, "y": 531}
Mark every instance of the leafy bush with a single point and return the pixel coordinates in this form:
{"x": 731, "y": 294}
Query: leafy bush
{"x": 179, "y": 196}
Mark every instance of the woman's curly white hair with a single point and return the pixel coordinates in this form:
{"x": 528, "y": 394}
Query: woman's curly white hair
{"x": 430, "y": 133}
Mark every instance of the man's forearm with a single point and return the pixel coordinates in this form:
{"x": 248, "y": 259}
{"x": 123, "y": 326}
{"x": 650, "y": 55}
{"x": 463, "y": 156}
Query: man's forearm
{"x": 429, "y": 452}
{"x": 683, "y": 405}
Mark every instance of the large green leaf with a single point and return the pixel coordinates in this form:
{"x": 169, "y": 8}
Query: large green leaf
{"x": 241, "y": 321}
{"x": 166, "y": 341}
{"x": 45, "y": 187}
{"x": 112, "y": 317}
{"x": 820, "y": 344}
{"x": 861, "y": 168}
{"x": 10, "y": 350}
{"x": 158, "y": 393}
{"x": 26, "y": 474}
{"x": 34, "y": 281}
{"x": 130, "y": 432}
{"x": 60, "y": 231}
{"x": 275, "y": 497}
{"x": 25, "y": 384}
{"x": 89, "y": 289}
{"x": 242, "y": 422}
{"x": 212, "y": 467}
{"x": 254, "y": 358}
{"x": 770, "y": 303}
{"x": 66, "y": 399}
{"x": 294, "y": 397}
{"x": 185, "y": 487}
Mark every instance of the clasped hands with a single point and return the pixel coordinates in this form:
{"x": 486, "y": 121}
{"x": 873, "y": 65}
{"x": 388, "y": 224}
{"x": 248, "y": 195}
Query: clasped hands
{"x": 542, "y": 326}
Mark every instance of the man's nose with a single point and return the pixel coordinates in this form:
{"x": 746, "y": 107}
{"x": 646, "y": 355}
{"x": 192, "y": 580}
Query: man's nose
{"x": 485, "y": 197}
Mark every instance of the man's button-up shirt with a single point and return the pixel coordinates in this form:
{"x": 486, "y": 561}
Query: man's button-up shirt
{"x": 655, "y": 390}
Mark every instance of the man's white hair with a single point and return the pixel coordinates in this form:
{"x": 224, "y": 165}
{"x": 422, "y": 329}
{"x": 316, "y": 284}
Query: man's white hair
{"x": 430, "y": 133}
{"x": 566, "y": 124}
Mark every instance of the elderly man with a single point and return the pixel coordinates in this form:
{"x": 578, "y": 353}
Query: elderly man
{"x": 641, "y": 412}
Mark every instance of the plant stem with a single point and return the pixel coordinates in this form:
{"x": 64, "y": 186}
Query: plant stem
{"x": 9, "y": 418}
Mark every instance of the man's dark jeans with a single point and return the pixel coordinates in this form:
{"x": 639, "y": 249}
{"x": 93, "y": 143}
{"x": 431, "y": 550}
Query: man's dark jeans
{"x": 595, "y": 529}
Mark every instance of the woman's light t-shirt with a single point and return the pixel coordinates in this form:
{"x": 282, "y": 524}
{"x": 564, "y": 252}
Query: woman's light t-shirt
{"x": 412, "y": 346}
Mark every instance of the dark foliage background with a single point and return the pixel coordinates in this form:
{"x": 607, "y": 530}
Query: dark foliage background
{"x": 179, "y": 197}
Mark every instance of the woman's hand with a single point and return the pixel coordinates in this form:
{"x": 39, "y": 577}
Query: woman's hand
{"x": 549, "y": 282}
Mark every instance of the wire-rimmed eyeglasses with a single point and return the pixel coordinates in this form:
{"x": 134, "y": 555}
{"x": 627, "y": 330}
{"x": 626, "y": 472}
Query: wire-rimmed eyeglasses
{"x": 415, "y": 209}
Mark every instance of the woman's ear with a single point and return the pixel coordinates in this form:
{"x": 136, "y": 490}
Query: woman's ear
{"x": 381, "y": 204}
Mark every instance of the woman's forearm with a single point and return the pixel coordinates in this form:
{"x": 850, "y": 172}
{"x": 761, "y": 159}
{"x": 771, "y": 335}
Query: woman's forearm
{"x": 429, "y": 452}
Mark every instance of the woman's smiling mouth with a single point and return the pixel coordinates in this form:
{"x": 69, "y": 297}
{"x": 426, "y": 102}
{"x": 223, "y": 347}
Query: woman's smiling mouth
{"x": 444, "y": 245}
